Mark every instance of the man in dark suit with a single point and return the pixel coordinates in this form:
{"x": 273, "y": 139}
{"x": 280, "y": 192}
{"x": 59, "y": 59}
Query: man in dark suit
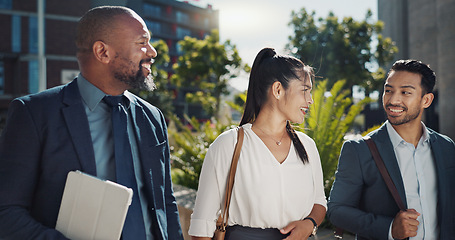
{"x": 421, "y": 164}
{"x": 69, "y": 128}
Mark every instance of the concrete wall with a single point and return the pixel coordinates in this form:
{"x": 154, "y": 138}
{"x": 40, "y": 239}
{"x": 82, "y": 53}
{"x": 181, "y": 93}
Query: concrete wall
{"x": 394, "y": 14}
{"x": 446, "y": 72}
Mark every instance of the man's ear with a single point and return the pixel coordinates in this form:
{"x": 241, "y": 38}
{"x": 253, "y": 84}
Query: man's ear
{"x": 102, "y": 52}
{"x": 427, "y": 99}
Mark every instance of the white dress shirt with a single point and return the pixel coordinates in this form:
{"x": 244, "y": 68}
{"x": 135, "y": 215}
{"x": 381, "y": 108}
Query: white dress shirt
{"x": 419, "y": 178}
{"x": 266, "y": 194}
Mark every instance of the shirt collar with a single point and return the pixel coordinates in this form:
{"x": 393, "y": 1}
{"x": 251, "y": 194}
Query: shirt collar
{"x": 91, "y": 95}
{"x": 130, "y": 98}
{"x": 426, "y": 134}
{"x": 396, "y": 139}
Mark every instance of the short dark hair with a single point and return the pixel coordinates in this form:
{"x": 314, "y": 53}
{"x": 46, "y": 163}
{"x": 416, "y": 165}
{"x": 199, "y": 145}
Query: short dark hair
{"x": 96, "y": 24}
{"x": 428, "y": 79}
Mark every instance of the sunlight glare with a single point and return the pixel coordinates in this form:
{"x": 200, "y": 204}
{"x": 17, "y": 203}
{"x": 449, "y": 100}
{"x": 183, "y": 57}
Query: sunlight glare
{"x": 243, "y": 19}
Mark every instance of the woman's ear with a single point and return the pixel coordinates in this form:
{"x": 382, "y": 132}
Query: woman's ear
{"x": 277, "y": 90}
{"x": 101, "y": 51}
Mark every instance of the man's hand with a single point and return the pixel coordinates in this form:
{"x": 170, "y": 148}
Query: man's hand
{"x": 405, "y": 224}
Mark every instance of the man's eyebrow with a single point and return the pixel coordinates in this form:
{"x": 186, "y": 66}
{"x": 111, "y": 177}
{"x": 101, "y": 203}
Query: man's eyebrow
{"x": 144, "y": 36}
{"x": 405, "y": 86}
{"x": 408, "y": 86}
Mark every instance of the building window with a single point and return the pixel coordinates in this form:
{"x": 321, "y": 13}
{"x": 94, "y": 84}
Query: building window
{"x": 67, "y": 75}
{"x": 154, "y": 27}
{"x": 16, "y": 33}
{"x": 182, "y": 32}
{"x": 182, "y": 17}
{"x": 2, "y": 78}
{"x": 153, "y": 39}
{"x": 179, "y": 49}
{"x": 151, "y": 10}
{"x": 33, "y": 35}
{"x": 33, "y": 75}
{"x": 6, "y": 4}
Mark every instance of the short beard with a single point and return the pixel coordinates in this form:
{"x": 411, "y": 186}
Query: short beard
{"x": 137, "y": 81}
{"x": 140, "y": 82}
{"x": 406, "y": 119}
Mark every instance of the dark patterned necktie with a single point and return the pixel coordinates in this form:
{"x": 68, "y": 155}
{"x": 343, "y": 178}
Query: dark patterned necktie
{"x": 134, "y": 227}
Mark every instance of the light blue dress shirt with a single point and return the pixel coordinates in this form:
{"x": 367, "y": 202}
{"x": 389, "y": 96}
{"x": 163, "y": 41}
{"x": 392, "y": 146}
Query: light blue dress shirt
{"x": 100, "y": 123}
{"x": 418, "y": 171}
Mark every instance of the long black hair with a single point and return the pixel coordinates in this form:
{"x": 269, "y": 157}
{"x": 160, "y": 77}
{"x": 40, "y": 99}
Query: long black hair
{"x": 269, "y": 67}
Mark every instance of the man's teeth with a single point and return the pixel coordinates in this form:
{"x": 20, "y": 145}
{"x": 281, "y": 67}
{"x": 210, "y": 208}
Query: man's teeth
{"x": 146, "y": 66}
{"x": 396, "y": 110}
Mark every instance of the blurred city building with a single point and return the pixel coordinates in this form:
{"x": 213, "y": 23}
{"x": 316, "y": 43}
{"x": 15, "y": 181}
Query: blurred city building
{"x": 37, "y": 49}
{"x": 425, "y": 30}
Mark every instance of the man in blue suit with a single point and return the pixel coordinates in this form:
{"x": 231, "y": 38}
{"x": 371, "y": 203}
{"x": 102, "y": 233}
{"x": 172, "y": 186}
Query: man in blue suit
{"x": 420, "y": 162}
{"x": 69, "y": 128}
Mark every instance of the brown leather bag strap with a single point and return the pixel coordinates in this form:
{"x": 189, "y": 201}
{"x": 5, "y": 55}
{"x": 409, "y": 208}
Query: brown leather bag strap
{"x": 385, "y": 174}
{"x": 223, "y": 218}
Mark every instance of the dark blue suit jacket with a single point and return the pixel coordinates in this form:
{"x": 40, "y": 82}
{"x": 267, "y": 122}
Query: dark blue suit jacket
{"x": 46, "y": 136}
{"x": 360, "y": 201}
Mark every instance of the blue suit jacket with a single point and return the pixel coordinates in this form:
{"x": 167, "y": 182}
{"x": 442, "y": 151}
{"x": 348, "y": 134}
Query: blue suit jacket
{"x": 360, "y": 201}
{"x": 46, "y": 136}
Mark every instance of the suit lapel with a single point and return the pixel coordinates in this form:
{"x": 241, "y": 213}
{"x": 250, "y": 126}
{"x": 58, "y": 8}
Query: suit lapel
{"x": 438, "y": 152}
{"x": 382, "y": 140}
{"x": 78, "y": 127}
{"x": 146, "y": 141}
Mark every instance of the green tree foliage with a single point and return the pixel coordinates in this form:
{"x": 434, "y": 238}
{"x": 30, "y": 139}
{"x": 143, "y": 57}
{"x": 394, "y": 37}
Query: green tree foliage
{"x": 207, "y": 65}
{"x": 238, "y": 103}
{"x": 329, "y": 119}
{"x": 342, "y": 49}
{"x": 190, "y": 144}
{"x": 162, "y": 96}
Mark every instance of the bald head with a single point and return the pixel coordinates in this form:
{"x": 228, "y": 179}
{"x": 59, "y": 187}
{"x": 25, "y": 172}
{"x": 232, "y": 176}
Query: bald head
{"x": 97, "y": 24}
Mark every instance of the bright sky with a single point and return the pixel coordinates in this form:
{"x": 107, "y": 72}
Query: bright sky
{"x": 254, "y": 24}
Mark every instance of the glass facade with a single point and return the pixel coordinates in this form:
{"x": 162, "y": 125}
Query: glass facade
{"x": 15, "y": 33}
{"x": 33, "y": 35}
{"x": 182, "y": 32}
{"x": 178, "y": 48}
{"x": 182, "y": 17}
{"x": 154, "y": 27}
{"x": 152, "y": 10}
{"x": 152, "y": 40}
{"x": 33, "y": 75}
{"x": 2, "y": 78}
{"x": 6, "y": 4}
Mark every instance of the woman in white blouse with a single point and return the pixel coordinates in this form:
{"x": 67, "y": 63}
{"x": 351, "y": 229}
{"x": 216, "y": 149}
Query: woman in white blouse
{"x": 278, "y": 191}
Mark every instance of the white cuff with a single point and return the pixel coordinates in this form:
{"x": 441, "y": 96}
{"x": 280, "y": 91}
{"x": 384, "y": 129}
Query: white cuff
{"x": 390, "y": 231}
{"x": 202, "y": 228}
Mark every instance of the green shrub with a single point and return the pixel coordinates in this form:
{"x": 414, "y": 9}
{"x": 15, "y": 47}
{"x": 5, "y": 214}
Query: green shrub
{"x": 188, "y": 148}
{"x": 329, "y": 119}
